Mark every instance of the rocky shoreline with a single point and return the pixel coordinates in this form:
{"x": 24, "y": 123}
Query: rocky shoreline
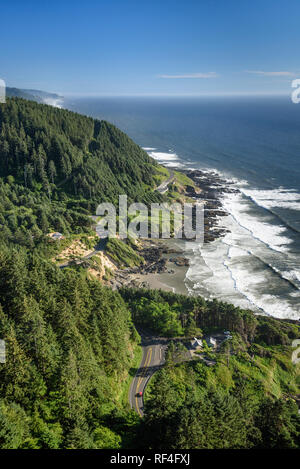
{"x": 210, "y": 188}
{"x": 159, "y": 257}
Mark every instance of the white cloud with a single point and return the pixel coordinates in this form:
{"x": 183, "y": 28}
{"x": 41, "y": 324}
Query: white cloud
{"x": 191, "y": 75}
{"x": 271, "y": 74}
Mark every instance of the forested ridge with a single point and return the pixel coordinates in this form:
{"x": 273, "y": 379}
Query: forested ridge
{"x": 242, "y": 395}
{"x": 171, "y": 315}
{"x": 56, "y": 166}
{"x": 43, "y": 147}
{"x": 72, "y": 344}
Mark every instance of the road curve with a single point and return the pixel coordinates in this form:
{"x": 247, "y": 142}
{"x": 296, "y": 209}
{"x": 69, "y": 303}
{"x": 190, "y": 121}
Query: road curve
{"x": 153, "y": 358}
{"x": 163, "y": 187}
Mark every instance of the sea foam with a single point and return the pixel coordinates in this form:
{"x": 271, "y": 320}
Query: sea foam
{"x": 253, "y": 265}
{"x": 269, "y": 199}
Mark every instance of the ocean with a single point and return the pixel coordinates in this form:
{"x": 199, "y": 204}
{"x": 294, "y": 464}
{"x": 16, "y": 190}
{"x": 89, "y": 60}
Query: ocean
{"x": 254, "y": 142}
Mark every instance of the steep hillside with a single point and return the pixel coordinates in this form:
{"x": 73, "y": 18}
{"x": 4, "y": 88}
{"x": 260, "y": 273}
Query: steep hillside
{"x": 70, "y": 344}
{"x": 56, "y": 166}
{"x": 45, "y": 148}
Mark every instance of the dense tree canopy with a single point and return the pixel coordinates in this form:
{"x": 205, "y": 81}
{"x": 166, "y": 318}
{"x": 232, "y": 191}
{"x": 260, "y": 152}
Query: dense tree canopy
{"x": 184, "y": 411}
{"x": 56, "y": 166}
{"x": 71, "y": 342}
{"x": 68, "y": 345}
{"x": 172, "y": 314}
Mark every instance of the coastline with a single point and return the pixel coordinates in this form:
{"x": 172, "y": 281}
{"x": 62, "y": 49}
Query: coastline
{"x": 233, "y": 265}
{"x": 252, "y": 259}
{"x": 172, "y": 256}
{"x": 166, "y": 275}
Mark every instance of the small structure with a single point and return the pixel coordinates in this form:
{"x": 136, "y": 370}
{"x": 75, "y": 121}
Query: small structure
{"x": 227, "y": 335}
{"x": 210, "y": 362}
{"x": 211, "y": 342}
{"x": 56, "y": 236}
{"x": 196, "y": 343}
{"x": 2, "y": 352}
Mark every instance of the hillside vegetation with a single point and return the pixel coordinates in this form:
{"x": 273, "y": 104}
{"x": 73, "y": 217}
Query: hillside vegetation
{"x": 56, "y": 166}
{"x": 71, "y": 344}
{"x": 170, "y": 314}
{"x": 243, "y": 401}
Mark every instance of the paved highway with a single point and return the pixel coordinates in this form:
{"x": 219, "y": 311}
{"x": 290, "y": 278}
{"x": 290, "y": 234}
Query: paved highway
{"x": 153, "y": 357}
{"x": 163, "y": 187}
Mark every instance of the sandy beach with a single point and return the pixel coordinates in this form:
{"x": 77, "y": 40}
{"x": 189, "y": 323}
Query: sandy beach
{"x": 170, "y": 278}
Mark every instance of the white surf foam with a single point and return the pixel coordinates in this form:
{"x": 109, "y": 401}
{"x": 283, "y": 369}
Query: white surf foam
{"x": 170, "y": 159}
{"x": 274, "y": 198}
{"x": 231, "y": 273}
{"x": 251, "y": 285}
{"x": 242, "y": 269}
{"x": 260, "y": 228}
{"x": 53, "y": 102}
{"x": 161, "y": 156}
{"x": 246, "y": 266}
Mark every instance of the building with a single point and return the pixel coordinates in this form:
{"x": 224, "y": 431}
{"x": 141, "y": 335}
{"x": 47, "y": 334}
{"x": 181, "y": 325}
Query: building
{"x": 227, "y": 335}
{"x": 55, "y": 236}
{"x": 196, "y": 343}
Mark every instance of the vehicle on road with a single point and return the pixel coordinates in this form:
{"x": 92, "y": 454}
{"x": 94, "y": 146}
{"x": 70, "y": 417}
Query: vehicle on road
{"x": 140, "y": 394}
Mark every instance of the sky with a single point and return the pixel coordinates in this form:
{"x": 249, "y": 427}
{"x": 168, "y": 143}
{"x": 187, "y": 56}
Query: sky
{"x": 166, "y": 47}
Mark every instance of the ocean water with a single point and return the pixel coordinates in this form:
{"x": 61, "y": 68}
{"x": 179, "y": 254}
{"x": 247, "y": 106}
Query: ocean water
{"x": 256, "y": 143}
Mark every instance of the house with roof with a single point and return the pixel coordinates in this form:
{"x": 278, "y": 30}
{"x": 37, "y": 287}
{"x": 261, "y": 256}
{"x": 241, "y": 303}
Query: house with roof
{"x": 56, "y": 236}
{"x": 196, "y": 343}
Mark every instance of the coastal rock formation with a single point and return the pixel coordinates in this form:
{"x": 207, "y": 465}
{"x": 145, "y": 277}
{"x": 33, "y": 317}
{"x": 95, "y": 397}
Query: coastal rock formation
{"x": 180, "y": 261}
{"x": 210, "y": 188}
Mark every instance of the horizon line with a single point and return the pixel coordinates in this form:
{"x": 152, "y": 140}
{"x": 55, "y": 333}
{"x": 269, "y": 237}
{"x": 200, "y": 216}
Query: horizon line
{"x": 175, "y": 95}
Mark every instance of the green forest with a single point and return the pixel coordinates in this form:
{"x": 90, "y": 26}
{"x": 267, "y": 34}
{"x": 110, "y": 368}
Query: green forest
{"x": 56, "y": 166}
{"x": 72, "y": 344}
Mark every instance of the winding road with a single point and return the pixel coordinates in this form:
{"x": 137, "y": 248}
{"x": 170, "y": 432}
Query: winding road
{"x": 153, "y": 347}
{"x": 153, "y": 358}
{"x": 163, "y": 187}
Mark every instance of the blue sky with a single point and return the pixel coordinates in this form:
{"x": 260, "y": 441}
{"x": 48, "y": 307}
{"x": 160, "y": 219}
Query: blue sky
{"x": 179, "y": 47}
